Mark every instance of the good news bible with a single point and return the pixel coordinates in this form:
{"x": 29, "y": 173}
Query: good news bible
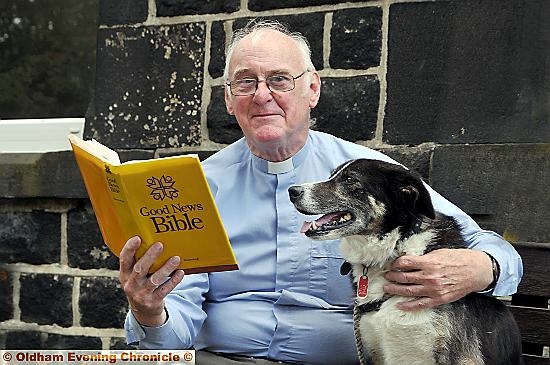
{"x": 162, "y": 200}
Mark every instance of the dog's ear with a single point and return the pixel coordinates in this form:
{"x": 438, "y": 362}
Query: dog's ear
{"x": 417, "y": 199}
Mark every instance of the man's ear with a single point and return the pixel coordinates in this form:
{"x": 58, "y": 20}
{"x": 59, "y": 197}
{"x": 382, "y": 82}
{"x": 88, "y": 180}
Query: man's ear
{"x": 417, "y": 199}
{"x": 315, "y": 89}
{"x": 227, "y": 98}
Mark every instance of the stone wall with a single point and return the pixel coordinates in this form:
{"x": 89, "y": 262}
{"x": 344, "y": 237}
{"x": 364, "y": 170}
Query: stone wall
{"x": 458, "y": 90}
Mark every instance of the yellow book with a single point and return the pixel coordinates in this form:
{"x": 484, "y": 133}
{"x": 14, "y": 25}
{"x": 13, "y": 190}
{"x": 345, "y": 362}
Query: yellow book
{"x": 164, "y": 200}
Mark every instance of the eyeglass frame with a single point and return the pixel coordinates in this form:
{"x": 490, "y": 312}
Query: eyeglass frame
{"x": 294, "y": 78}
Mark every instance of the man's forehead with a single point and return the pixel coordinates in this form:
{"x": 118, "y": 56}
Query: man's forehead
{"x": 259, "y": 36}
{"x": 271, "y": 49}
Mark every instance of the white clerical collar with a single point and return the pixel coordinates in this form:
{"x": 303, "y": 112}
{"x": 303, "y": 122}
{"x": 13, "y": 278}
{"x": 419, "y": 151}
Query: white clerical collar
{"x": 280, "y": 167}
{"x": 285, "y": 166}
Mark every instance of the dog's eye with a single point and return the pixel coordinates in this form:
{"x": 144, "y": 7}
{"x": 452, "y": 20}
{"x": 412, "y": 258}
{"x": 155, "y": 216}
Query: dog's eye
{"x": 350, "y": 180}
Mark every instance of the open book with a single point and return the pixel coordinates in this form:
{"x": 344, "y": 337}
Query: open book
{"x": 162, "y": 200}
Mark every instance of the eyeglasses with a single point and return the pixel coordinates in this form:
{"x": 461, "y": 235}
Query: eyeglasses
{"x": 277, "y": 83}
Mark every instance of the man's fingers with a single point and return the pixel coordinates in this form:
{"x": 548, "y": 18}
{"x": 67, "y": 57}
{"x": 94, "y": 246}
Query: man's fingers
{"x": 162, "y": 274}
{"x": 405, "y": 277}
{"x": 407, "y": 263}
{"x": 126, "y": 257}
{"x": 142, "y": 266}
{"x": 170, "y": 284}
{"x": 405, "y": 290}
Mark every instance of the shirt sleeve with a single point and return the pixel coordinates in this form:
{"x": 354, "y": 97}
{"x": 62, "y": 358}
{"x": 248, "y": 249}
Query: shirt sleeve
{"x": 511, "y": 266}
{"x": 185, "y": 318}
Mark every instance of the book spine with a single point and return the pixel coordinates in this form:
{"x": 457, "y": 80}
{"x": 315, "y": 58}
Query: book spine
{"x": 123, "y": 206}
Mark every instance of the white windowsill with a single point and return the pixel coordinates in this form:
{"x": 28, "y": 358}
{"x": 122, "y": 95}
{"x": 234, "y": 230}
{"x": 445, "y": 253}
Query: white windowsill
{"x": 38, "y": 135}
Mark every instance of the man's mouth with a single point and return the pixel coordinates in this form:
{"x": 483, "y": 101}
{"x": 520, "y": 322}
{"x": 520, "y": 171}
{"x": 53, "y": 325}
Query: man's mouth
{"x": 327, "y": 223}
{"x": 265, "y": 115}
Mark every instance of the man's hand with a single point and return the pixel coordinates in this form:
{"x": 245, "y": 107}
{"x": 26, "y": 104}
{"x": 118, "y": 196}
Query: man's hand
{"x": 439, "y": 277}
{"x": 146, "y": 293}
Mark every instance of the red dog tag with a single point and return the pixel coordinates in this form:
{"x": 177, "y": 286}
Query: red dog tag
{"x": 363, "y": 287}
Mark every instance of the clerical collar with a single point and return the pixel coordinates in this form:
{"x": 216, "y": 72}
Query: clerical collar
{"x": 285, "y": 166}
{"x": 280, "y": 167}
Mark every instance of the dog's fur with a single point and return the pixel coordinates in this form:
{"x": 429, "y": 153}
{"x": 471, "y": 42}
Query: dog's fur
{"x": 383, "y": 211}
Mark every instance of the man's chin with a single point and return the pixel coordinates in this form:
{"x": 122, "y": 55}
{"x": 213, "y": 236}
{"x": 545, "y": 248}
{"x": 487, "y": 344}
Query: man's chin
{"x": 269, "y": 134}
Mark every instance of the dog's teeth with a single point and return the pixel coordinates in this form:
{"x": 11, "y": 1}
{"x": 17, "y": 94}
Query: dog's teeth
{"x": 347, "y": 216}
{"x": 314, "y": 226}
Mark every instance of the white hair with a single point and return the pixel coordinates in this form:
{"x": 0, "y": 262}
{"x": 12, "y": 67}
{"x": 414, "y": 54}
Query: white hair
{"x": 255, "y": 26}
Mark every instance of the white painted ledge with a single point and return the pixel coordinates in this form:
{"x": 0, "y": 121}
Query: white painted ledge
{"x": 38, "y": 135}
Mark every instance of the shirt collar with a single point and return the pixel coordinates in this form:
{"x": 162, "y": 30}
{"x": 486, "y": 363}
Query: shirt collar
{"x": 285, "y": 166}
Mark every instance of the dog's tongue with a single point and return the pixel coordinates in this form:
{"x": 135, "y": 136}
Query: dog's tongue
{"x": 319, "y": 222}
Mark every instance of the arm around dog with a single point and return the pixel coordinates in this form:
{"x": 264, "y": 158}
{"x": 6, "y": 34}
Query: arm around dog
{"x": 443, "y": 276}
{"x": 446, "y": 275}
{"x": 509, "y": 261}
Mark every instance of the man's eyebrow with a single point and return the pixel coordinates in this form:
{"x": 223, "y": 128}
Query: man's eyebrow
{"x": 247, "y": 72}
{"x": 243, "y": 71}
{"x": 279, "y": 71}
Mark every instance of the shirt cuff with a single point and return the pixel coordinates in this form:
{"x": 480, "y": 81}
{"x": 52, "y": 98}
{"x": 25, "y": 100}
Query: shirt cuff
{"x": 135, "y": 332}
{"x": 510, "y": 270}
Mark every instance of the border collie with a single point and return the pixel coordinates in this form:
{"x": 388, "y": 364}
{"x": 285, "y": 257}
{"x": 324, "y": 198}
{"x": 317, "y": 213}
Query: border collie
{"x": 382, "y": 211}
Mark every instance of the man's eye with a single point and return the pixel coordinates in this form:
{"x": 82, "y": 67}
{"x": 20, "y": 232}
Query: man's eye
{"x": 245, "y": 82}
{"x": 280, "y": 79}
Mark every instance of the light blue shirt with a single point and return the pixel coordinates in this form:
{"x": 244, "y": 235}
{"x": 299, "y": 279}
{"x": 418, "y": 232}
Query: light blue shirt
{"x": 288, "y": 301}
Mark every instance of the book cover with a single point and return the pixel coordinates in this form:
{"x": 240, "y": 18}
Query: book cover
{"x": 164, "y": 200}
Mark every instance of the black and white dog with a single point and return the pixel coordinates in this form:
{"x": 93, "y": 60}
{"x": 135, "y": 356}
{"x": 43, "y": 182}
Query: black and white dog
{"x": 382, "y": 211}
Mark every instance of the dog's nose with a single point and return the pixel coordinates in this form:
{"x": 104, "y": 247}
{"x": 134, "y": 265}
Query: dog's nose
{"x": 295, "y": 192}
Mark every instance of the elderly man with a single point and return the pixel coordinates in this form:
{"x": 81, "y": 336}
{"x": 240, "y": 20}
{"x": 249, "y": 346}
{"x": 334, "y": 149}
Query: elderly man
{"x": 288, "y": 302}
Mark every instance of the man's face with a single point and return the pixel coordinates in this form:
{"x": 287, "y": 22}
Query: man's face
{"x": 272, "y": 121}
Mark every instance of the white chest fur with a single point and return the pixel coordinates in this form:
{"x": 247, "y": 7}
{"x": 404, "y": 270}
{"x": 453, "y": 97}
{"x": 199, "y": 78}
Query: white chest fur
{"x": 392, "y": 336}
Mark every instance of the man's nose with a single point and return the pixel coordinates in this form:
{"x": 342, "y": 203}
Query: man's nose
{"x": 262, "y": 93}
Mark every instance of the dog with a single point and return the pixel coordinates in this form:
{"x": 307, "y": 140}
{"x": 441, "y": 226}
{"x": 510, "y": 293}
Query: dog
{"x": 381, "y": 211}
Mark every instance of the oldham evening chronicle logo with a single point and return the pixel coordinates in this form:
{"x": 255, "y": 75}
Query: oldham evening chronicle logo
{"x": 162, "y": 188}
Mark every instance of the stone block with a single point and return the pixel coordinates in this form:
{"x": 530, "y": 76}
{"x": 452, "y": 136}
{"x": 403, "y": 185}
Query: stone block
{"x": 119, "y": 343}
{"x": 6, "y": 293}
{"x": 356, "y": 38}
{"x": 222, "y": 127}
{"x": 22, "y": 340}
{"x": 217, "y": 50}
{"x": 123, "y": 11}
{"x": 417, "y": 159}
{"x": 203, "y": 154}
{"x": 63, "y": 342}
{"x": 102, "y": 303}
{"x": 35, "y": 340}
{"x": 194, "y": 7}
{"x": 130, "y": 155}
{"x": 310, "y": 25}
{"x": 30, "y": 237}
{"x": 46, "y": 299}
{"x": 468, "y": 72}
{"x": 149, "y": 87}
{"x": 260, "y": 5}
{"x": 348, "y": 107}
{"x": 85, "y": 246}
{"x": 52, "y": 174}
{"x": 505, "y": 187}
